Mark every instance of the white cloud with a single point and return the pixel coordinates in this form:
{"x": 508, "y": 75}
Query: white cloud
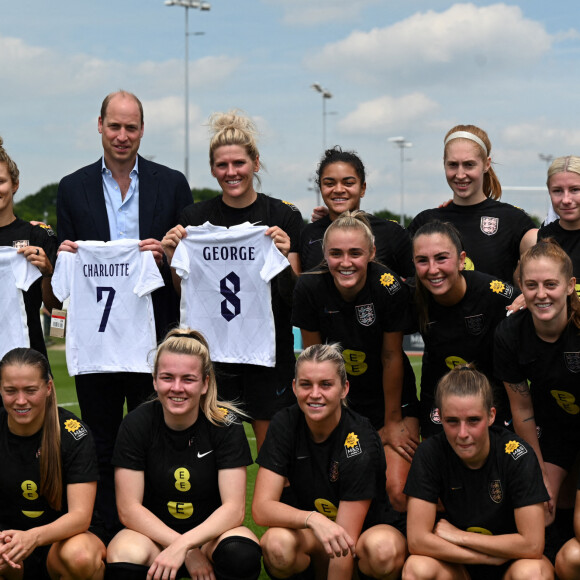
{"x": 543, "y": 136}
{"x": 451, "y": 46}
{"x": 387, "y": 113}
{"x": 312, "y": 12}
{"x": 45, "y": 72}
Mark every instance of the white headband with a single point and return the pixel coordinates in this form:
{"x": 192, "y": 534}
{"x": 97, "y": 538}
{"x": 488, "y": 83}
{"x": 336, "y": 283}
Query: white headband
{"x": 466, "y": 135}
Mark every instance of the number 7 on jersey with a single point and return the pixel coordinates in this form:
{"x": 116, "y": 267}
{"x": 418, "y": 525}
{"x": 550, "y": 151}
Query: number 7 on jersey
{"x": 108, "y": 304}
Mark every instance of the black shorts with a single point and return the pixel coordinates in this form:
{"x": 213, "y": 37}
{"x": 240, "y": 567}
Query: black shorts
{"x": 35, "y": 564}
{"x": 260, "y": 391}
{"x": 558, "y": 447}
{"x": 486, "y": 572}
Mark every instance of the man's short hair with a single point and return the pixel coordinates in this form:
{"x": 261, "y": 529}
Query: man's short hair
{"x": 123, "y": 93}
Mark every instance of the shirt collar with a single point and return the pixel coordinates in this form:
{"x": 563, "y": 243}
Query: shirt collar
{"x": 135, "y": 169}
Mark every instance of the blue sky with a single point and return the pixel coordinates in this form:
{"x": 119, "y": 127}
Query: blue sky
{"x": 412, "y": 68}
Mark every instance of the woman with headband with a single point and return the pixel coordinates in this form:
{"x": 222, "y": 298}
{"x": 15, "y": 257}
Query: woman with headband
{"x": 495, "y": 234}
{"x": 181, "y": 476}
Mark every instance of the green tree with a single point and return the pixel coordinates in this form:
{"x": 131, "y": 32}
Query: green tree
{"x": 204, "y": 193}
{"x": 389, "y": 215}
{"x": 40, "y": 206}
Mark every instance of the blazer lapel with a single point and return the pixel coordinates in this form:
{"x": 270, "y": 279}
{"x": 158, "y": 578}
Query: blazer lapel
{"x": 95, "y": 199}
{"x": 148, "y": 192}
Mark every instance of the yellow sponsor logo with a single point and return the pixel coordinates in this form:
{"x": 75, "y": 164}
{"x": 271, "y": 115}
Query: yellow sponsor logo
{"x": 180, "y": 510}
{"x": 477, "y": 530}
{"x": 354, "y": 362}
{"x": 351, "y": 440}
{"x": 326, "y": 508}
{"x": 497, "y": 286}
{"x": 29, "y": 489}
{"x": 182, "y": 476}
{"x": 387, "y": 279}
{"x": 567, "y": 401}
{"x": 30, "y": 514}
{"x": 511, "y": 446}
{"x": 72, "y": 425}
{"x": 454, "y": 361}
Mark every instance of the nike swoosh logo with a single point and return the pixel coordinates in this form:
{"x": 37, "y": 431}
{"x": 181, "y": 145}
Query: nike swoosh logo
{"x": 314, "y": 241}
{"x": 326, "y": 311}
{"x": 456, "y": 488}
{"x": 200, "y": 455}
{"x": 303, "y": 457}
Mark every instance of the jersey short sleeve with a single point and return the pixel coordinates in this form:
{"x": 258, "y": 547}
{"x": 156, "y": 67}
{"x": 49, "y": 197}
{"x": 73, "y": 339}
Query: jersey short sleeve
{"x": 304, "y": 306}
{"x": 16, "y": 275}
{"x": 423, "y": 481}
{"x": 505, "y": 349}
{"x": 276, "y": 451}
{"x": 79, "y": 455}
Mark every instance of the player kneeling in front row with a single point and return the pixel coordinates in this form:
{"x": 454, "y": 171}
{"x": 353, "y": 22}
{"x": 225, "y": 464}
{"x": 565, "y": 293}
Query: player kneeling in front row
{"x": 181, "y": 477}
{"x": 490, "y": 484}
{"x": 334, "y": 461}
{"x": 48, "y": 479}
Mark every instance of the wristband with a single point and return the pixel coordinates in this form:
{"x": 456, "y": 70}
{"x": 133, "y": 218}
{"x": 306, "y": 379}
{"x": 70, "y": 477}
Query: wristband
{"x": 308, "y": 516}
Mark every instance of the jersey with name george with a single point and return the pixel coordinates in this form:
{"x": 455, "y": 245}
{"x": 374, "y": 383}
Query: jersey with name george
{"x": 225, "y": 290}
{"x": 110, "y": 317}
{"x": 17, "y": 275}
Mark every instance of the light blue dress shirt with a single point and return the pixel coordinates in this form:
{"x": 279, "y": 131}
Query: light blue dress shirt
{"x": 123, "y": 214}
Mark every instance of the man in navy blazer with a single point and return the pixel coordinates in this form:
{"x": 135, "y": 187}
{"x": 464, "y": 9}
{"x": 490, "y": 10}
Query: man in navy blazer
{"x": 122, "y": 195}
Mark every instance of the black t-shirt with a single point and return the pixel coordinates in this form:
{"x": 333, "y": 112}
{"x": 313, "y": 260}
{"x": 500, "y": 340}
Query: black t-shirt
{"x": 391, "y": 240}
{"x": 491, "y": 232}
{"x": 350, "y": 465}
{"x": 478, "y": 500}
{"x": 21, "y": 506}
{"x": 570, "y": 242}
{"x": 266, "y": 211}
{"x": 463, "y": 333}
{"x": 45, "y": 238}
{"x": 180, "y": 467}
{"x": 383, "y": 305}
{"x": 553, "y": 369}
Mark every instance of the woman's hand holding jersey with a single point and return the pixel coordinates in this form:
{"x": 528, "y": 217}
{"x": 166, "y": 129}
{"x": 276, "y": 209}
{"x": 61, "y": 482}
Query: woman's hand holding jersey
{"x": 171, "y": 239}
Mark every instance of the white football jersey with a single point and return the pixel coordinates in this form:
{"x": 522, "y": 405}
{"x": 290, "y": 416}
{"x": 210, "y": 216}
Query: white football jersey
{"x": 16, "y": 274}
{"x": 225, "y": 290}
{"x": 110, "y": 324}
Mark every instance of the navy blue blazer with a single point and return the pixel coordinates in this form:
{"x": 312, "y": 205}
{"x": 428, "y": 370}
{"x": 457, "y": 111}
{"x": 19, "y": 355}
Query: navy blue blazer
{"x": 81, "y": 214}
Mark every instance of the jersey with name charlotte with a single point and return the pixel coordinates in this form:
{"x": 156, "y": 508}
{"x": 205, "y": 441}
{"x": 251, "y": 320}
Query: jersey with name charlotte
{"x": 17, "y": 275}
{"x": 110, "y": 317}
{"x": 225, "y": 290}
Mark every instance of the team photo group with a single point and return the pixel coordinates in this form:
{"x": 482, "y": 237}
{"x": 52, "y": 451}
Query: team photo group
{"x": 181, "y": 322}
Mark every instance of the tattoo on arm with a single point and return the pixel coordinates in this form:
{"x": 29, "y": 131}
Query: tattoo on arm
{"x": 520, "y": 388}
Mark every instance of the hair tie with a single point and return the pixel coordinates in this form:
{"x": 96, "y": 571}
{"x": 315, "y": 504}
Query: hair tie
{"x": 466, "y": 135}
